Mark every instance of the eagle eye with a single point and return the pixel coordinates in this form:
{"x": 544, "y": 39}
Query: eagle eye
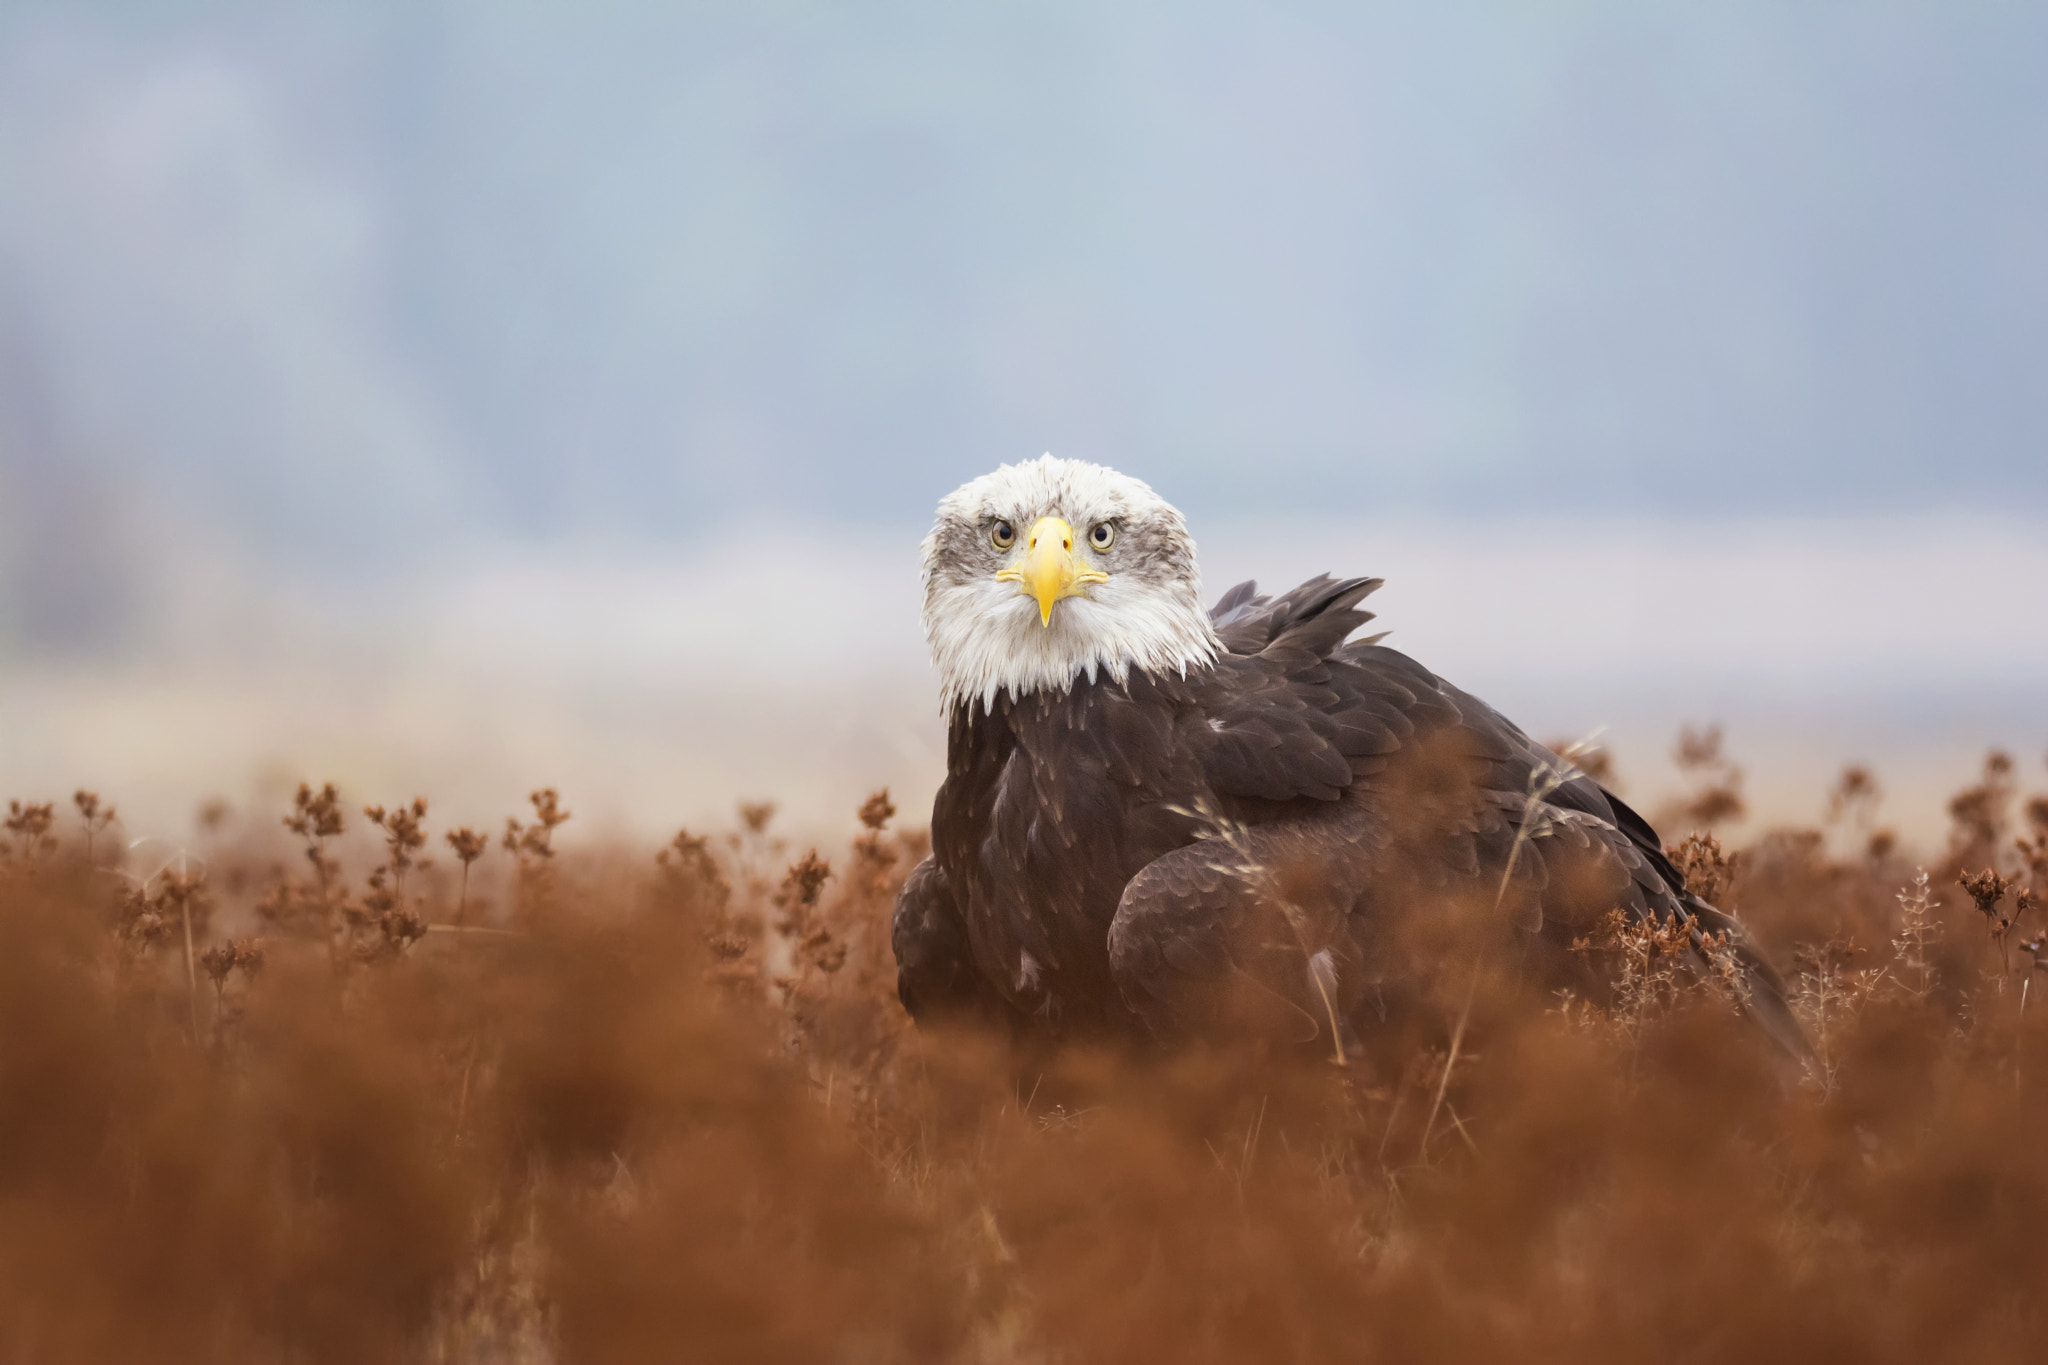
{"x": 1103, "y": 536}
{"x": 1002, "y": 535}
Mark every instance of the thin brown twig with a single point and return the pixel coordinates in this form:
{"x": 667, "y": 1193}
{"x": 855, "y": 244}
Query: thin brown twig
{"x": 1443, "y": 1082}
{"x": 191, "y": 971}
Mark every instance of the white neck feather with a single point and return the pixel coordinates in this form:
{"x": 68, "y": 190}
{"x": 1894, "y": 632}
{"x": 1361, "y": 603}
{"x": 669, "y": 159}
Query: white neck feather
{"x": 986, "y": 638}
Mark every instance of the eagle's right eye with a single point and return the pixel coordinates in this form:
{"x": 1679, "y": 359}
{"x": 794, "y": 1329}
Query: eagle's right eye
{"x": 1002, "y": 535}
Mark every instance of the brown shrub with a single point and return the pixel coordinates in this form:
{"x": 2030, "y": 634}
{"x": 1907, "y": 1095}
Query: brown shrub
{"x": 671, "y": 1110}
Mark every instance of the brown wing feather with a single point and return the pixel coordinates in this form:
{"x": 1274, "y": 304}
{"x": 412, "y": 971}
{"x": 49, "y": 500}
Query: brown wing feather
{"x": 1300, "y": 719}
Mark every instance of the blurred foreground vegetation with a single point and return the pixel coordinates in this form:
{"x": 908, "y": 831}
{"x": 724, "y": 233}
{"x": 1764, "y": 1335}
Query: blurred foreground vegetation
{"x": 351, "y": 1087}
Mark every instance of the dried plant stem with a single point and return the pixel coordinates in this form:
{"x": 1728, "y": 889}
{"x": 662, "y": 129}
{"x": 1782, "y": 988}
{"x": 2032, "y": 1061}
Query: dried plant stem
{"x": 1330, "y": 1009}
{"x": 191, "y": 967}
{"x": 462, "y": 919}
{"x": 1451, "y": 1111}
{"x": 467, "y": 849}
{"x": 1535, "y": 821}
{"x": 1443, "y": 1082}
{"x": 1394, "y": 1112}
{"x": 462, "y": 1099}
{"x": 1236, "y": 836}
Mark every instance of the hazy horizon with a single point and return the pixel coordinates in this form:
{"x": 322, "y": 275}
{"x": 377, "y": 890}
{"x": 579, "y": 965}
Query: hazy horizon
{"x": 659, "y": 686}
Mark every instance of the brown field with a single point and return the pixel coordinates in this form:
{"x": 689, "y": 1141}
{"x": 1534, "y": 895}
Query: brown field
{"x": 356, "y": 1087}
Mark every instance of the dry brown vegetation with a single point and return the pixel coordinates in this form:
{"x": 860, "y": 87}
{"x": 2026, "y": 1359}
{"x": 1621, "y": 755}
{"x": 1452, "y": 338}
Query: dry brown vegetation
{"x": 351, "y": 1087}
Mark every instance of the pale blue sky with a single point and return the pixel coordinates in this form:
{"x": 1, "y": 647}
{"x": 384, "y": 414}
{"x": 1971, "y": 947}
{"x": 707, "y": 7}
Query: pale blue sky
{"x": 337, "y": 283}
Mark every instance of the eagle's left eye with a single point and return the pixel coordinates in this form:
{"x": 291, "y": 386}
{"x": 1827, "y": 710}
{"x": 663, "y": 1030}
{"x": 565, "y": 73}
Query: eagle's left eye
{"x": 1103, "y": 536}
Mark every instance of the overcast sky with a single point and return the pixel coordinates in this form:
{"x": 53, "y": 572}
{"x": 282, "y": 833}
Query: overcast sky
{"x": 442, "y": 372}
{"x": 343, "y": 285}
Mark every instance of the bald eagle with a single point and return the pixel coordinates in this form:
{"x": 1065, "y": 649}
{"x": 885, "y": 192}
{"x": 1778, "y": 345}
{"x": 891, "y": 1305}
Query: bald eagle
{"x": 1175, "y": 822}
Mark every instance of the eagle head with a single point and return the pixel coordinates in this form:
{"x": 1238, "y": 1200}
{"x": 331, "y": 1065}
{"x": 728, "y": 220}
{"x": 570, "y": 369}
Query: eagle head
{"x": 1048, "y": 571}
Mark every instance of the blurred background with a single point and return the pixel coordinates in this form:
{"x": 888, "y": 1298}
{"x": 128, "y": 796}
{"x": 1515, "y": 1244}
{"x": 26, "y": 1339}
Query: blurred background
{"x": 451, "y": 397}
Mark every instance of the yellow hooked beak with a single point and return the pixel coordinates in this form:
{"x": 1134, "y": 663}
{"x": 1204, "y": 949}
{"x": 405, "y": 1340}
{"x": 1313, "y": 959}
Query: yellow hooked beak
{"x": 1048, "y": 572}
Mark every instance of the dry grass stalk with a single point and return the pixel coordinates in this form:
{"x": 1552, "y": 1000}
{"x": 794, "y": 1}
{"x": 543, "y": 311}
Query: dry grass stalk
{"x": 1918, "y": 931}
{"x": 97, "y": 819}
{"x": 28, "y": 825}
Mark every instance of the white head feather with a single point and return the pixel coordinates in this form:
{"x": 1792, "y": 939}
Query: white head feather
{"x": 986, "y": 634}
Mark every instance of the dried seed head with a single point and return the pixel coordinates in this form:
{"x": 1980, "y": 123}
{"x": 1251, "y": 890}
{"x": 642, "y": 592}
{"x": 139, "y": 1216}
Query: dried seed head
{"x": 30, "y": 823}
{"x": 1716, "y": 805}
{"x": 547, "y": 807}
{"x": 402, "y": 927}
{"x": 403, "y": 832}
{"x": 534, "y": 843}
{"x": 315, "y": 815}
{"x": 876, "y": 811}
{"x": 217, "y": 962}
{"x": 805, "y": 879}
{"x": 468, "y": 844}
{"x": 1981, "y": 812}
{"x": 1708, "y": 872}
{"x": 1699, "y": 748}
{"x": 1855, "y": 794}
{"x": 685, "y": 849}
{"x": 1986, "y": 888}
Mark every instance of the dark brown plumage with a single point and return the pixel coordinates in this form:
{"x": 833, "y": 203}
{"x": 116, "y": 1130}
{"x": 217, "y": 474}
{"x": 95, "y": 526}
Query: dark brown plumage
{"x": 1252, "y": 846}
